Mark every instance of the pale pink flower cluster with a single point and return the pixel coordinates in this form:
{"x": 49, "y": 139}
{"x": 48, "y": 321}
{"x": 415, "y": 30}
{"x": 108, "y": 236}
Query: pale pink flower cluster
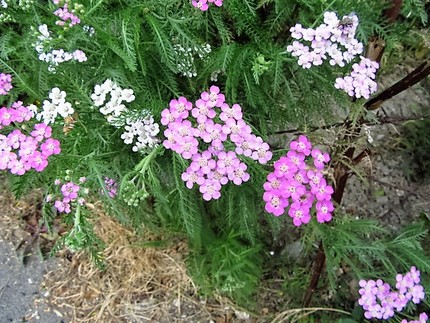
{"x": 5, "y": 83}
{"x": 380, "y": 301}
{"x": 54, "y": 57}
{"x": 422, "y": 319}
{"x": 203, "y": 5}
{"x": 20, "y": 152}
{"x": 70, "y": 193}
{"x": 58, "y": 56}
{"x": 111, "y": 187}
{"x": 333, "y": 40}
{"x": 361, "y": 82}
{"x": 65, "y": 15}
{"x": 296, "y": 183}
{"x": 214, "y": 122}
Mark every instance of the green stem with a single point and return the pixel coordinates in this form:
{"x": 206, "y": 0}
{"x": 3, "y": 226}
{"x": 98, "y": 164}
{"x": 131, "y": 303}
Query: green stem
{"x": 98, "y": 4}
{"x": 92, "y": 154}
{"x": 143, "y": 164}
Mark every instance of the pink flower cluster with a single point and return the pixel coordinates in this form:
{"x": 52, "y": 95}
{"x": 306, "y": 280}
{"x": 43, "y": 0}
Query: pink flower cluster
{"x": 69, "y": 194}
{"x": 5, "y": 83}
{"x": 380, "y": 301}
{"x": 64, "y": 14}
{"x": 203, "y": 5}
{"x": 334, "y": 38}
{"x": 422, "y": 319}
{"x": 111, "y": 187}
{"x": 360, "y": 83}
{"x": 20, "y": 152}
{"x": 297, "y": 184}
{"x": 213, "y": 167}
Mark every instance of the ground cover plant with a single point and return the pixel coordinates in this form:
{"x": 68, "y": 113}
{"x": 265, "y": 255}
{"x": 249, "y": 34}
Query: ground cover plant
{"x": 234, "y": 123}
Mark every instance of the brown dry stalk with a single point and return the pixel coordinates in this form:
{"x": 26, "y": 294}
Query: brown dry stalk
{"x": 420, "y": 73}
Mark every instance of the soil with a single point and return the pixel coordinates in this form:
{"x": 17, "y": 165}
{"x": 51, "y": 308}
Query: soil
{"x": 22, "y": 263}
{"x": 386, "y": 193}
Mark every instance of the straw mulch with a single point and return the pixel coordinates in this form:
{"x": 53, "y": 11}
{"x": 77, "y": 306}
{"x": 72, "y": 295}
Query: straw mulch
{"x": 139, "y": 283}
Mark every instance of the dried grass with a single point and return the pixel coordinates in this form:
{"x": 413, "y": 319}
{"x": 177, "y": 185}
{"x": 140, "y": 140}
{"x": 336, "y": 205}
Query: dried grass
{"x": 139, "y": 283}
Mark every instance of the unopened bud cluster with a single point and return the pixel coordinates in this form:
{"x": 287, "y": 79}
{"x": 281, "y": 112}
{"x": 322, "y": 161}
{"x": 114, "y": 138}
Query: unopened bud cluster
{"x": 133, "y": 194}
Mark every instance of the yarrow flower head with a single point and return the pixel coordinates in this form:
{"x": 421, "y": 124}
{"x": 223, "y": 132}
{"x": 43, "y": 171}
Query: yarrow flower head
{"x": 203, "y": 5}
{"x": 70, "y": 194}
{"x": 66, "y": 16}
{"x": 111, "y": 187}
{"x": 54, "y": 107}
{"x": 334, "y": 40}
{"x": 423, "y": 318}
{"x": 20, "y": 152}
{"x": 185, "y": 58}
{"x": 45, "y": 41}
{"x": 360, "y": 83}
{"x": 210, "y": 123}
{"x": 298, "y": 183}
{"x": 5, "y": 83}
{"x": 142, "y": 132}
{"x": 114, "y": 107}
{"x": 380, "y": 300}
{"x": 140, "y": 128}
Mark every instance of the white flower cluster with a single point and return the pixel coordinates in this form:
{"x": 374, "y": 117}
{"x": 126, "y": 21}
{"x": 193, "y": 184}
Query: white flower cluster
{"x": 89, "y": 30}
{"x": 56, "y": 56}
{"x": 4, "y": 16}
{"x": 114, "y": 107}
{"x": 325, "y": 40}
{"x": 215, "y": 74}
{"x": 144, "y": 131}
{"x": 139, "y": 130}
{"x": 185, "y": 58}
{"x": 57, "y": 105}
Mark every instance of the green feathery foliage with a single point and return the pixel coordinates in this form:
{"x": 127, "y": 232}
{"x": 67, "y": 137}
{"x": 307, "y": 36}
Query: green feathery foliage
{"x": 371, "y": 251}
